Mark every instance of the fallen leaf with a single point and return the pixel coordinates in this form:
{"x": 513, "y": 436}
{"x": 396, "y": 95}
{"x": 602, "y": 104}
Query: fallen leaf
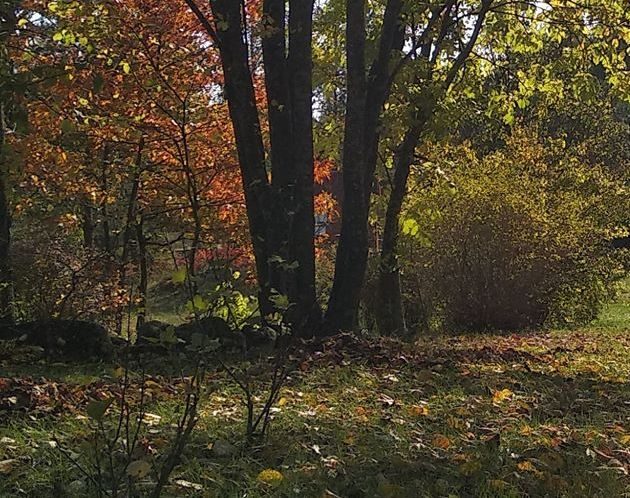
{"x": 151, "y": 419}
{"x": 419, "y": 410}
{"x": 138, "y": 469}
{"x": 188, "y": 484}
{"x": 526, "y": 466}
{"x": 7, "y": 466}
{"x": 270, "y": 477}
{"x": 441, "y": 441}
{"x": 502, "y": 395}
{"x": 96, "y": 409}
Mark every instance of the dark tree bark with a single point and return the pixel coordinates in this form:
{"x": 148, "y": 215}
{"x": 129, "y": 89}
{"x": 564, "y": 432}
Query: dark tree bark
{"x": 239, "y": 91}
{"x": 132, "y": 201}
{"x": 6, "y": 274}
{"x": 8, "y": 23}
{"x": 107, "y": 242}
{"x": 130, "y": 225}
{"x": 390, "y": 314}
{"x": 143, "y": 263}
{"x": 364, "y": 105}
{"x": 281, "y": 208}
{"x": 279, "y": 116}
{"x": 353, "y": 243}
{"x": 302, "y": 240}
{"x": 87, "y": 222}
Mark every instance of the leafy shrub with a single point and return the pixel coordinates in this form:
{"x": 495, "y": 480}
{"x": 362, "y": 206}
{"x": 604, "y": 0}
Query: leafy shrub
{"x": 516, "y": 239}
{"x": 56, "y": 279}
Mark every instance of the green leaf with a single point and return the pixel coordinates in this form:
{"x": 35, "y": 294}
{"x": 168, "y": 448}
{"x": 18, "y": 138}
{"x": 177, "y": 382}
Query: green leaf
{"x": 179, "y": 277}
{"x": 67, "y": 126}
{"x": 126, "y": 67}
{"x": 410, "y": 227}
{"x": 98, "y": 83}
{"x": 96, "y": 409}
{"x": 280, "y": 301}
{"x": 198, "y": 304}
{"x": 168, "y": 335}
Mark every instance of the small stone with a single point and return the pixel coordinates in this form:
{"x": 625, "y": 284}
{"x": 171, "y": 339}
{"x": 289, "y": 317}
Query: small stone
{"x": 77, "y": 487}
{"x": 222, "y": 448}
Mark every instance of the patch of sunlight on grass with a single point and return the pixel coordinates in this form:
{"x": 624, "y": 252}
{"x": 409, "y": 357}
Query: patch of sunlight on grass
{"x": 616, "y": 315}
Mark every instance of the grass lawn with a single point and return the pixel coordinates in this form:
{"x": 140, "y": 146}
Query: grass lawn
{"x": 544, "y": 414}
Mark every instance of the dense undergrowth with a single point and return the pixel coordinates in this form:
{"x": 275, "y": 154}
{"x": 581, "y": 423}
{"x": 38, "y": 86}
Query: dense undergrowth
{"x": 542, "y": 414}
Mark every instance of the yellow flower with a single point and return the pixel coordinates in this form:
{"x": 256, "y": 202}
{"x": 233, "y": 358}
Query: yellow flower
{"x": 270, "y": 477}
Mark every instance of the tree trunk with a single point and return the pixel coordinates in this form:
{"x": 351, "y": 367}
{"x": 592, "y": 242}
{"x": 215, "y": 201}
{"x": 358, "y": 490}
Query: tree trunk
{"x": 87, "y": 223}
{"x": 6, "y": 275}
{"x": 280, "y": 136}
{"x": 107, "y": 243}
{"x": 143, "y": 285}
{"x": 390, "y": 314}
{"x": 307, "y": 315}
{"x": 365, "y": 100}
{"x": 130, "y": 223}
{"x": 280, "y": 210}
{"x": 240, "y": 95}
{"x": 352, "y": 250}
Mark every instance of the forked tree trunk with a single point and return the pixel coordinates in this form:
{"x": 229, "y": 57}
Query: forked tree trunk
{"x": 365, "y": 100}
{"x": 352, "y": 250}
{"x": 280, "y": 209}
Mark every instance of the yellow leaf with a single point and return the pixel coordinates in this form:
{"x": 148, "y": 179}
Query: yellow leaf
{"x": 502, "y": 395}
{"x": 419, "y": 410}
{"x": 526, "y": 466}
{"x": 270, "y": 477}
{"x": 362, "y": 414}
{"x": 526, "y": 430}
{"x": 282, "y": 401}
{"x": 625, "y": 439}
{"x": 151, "y": 384}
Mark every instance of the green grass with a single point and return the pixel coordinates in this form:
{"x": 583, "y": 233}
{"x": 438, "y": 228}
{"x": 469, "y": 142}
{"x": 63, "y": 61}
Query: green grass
{"x": 541, "y": 414}
{"x": 617, "y": 315}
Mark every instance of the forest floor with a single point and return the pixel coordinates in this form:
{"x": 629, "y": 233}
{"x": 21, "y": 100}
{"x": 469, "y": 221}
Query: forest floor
{"x": 533, "y": 414}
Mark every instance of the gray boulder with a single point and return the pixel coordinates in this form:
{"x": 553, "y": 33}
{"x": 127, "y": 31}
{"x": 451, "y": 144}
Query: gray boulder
{"x": 69, "y": 339}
